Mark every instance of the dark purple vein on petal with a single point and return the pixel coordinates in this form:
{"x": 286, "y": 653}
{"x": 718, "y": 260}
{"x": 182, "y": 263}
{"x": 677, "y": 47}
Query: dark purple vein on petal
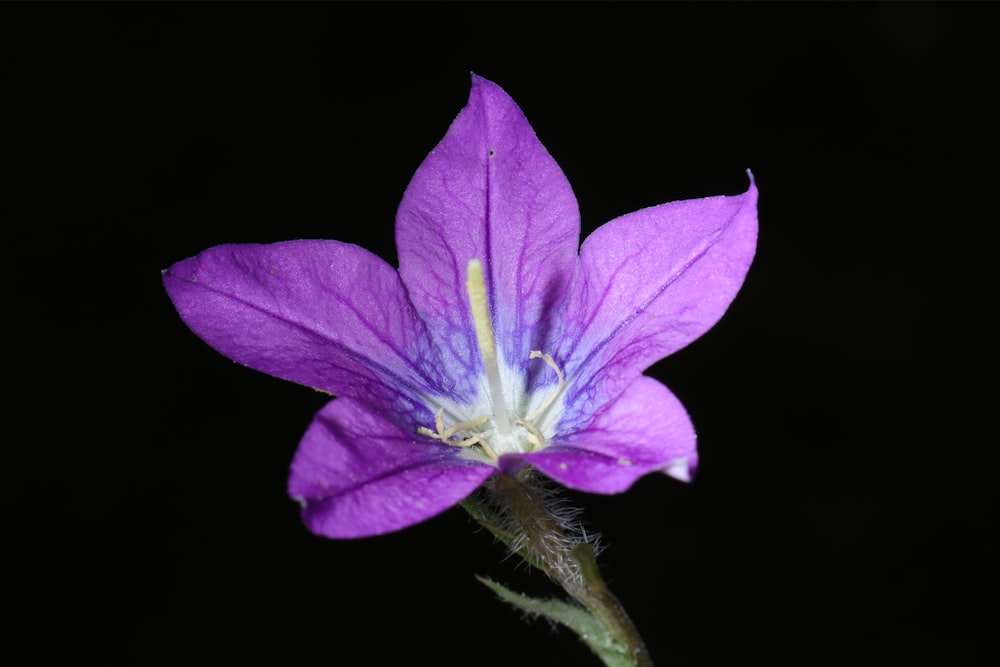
{"x": 346, "y": 351}
{"x": 618, "y": 329}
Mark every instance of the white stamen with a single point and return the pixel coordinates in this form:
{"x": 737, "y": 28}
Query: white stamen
{"x": 476, "y": 287}
{"x": 535, "y": 354}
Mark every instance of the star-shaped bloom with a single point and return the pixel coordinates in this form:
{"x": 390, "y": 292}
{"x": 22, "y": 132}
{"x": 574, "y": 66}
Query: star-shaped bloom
{"x": 496, "y": 345}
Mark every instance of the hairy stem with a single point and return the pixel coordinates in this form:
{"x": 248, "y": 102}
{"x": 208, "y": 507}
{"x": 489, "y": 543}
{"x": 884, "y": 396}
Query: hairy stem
{"x": 546, "y": 532}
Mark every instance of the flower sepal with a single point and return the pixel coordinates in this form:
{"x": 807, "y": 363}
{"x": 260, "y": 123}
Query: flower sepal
{"x": 591, "y": 632}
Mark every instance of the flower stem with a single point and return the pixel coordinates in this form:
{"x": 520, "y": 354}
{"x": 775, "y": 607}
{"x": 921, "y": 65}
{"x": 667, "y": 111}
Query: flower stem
{"x": 544, "y": 533}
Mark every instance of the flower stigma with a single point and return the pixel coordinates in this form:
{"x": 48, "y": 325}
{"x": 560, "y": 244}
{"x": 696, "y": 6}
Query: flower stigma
{"x": 491, "y": 432}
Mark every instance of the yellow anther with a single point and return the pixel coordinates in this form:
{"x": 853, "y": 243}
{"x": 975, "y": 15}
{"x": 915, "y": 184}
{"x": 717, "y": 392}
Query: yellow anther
{"x": 535, "y": 354}
{"x": 472, "y": 423}
{"x": 445, "y": 434}
{"x": 488, "y": 450}
{"x": 535, "y": 436}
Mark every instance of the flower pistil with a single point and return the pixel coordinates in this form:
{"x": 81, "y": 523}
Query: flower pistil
{"x": 524, "y": 433}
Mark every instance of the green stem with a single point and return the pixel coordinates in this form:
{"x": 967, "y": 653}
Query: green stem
{"x": 568, "y": 560}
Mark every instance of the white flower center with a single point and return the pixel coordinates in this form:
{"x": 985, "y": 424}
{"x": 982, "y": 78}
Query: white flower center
{"x": 475, "y": 427}
{"x": 503, "y": 418}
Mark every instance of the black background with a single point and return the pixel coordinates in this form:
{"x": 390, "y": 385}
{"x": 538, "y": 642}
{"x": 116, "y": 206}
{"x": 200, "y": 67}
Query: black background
{"x": 842, "y": 507}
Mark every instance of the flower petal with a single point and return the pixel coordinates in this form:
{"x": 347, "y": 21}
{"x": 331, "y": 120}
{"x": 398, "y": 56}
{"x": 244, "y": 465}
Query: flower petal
{"x": 358, "y": 474}
{"x": 326, "y": 314}
{"x": 650, "y": 282}
{"x": 489, "y": 191}
{"x": 646, "y": 429}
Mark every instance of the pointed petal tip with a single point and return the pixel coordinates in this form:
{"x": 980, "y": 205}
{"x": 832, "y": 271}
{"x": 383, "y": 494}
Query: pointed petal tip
{"x": 750, "y": 196}
{"x": 683, "y": 469}
{"x": 486, "y": 87}
{"x": 478, "y": 80}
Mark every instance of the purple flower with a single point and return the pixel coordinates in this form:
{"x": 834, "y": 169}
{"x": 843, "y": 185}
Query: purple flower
{"x": 495, "y": 345}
